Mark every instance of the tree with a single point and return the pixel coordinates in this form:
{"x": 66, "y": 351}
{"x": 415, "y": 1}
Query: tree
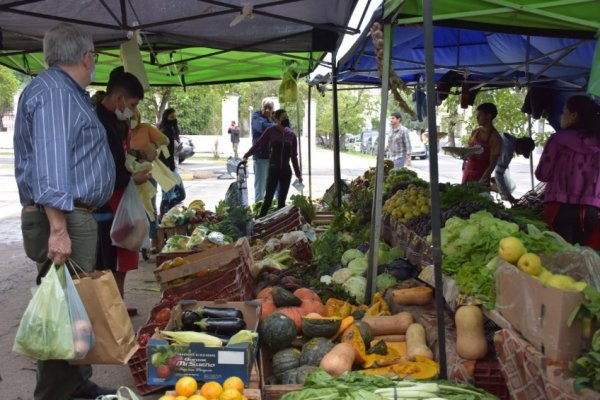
{"x": 9, "y": 84}
{"x": 508, "y": 102}
{"x": 155, "y": 102}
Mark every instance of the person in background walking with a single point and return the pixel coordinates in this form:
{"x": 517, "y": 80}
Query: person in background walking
{"x": 123, "y": 93}
{"x": 399, "y": 142}
{"x": 479, "y": 167}
{"x": 261, "y": 120}
{"x": 570, "y": 166}
{"x": 234, "y": 133}
{"x": 283, "y": 146}
{"x": 64, "y": 170}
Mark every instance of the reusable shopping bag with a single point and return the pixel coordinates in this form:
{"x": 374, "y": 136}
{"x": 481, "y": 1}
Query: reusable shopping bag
{"x": 114, "y": 336}
{"x": 55, "y": 325}
{"x": 130, "y": 225}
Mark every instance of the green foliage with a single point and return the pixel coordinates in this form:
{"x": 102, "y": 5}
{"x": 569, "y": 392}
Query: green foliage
{"x": 9, "y": 84}
{"x": 198, "y": 109}
{"x": 510, "y": 118}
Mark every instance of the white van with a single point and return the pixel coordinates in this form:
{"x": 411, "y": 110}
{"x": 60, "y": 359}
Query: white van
{"x": 419, "y": 150}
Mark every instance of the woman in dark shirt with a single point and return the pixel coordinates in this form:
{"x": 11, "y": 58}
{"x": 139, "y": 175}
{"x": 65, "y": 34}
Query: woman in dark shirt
{"x": 283, "y": 147}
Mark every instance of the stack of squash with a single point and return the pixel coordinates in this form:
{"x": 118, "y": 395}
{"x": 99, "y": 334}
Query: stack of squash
{"x": 342, "y": 337}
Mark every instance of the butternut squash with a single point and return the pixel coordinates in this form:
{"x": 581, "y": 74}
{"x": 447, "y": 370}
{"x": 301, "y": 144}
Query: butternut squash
{"x": 416, "y": 342}
{"x": 339, "y": 359}
{"x": 392, "y": 338}
{"x": 415, "y": 296}
{"x": 471, "y": 343}
{"x": 396, "y": 324}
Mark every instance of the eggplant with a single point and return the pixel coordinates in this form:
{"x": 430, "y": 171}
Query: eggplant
{"x": 224, "y": 338}
{"x": 400, "y": 269}
{"x": 222, "y": 325}
{"x": 189, "y": 318}
{"x": 218, "y": 312}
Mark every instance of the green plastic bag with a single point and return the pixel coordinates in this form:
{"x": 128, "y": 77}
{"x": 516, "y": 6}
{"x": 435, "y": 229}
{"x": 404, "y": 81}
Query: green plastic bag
{"x": 45, "y": 331}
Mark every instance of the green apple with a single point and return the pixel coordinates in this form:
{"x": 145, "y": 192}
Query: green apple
{"x": 530, "y": 263}
{"x": 511, "y": 249}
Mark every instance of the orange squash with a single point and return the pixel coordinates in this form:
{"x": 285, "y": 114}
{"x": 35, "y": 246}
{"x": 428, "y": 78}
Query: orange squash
{"x": 267, "y": 308}
{"x": 346, "y": 322}
{"x": 306, "y": 293}
{"x": 295, "y": 313}
{"x": 311, "y": 305}
{"x": 352, "y": 336}
{"x": 338, "y": 308}
{"x": 265, "y": 294}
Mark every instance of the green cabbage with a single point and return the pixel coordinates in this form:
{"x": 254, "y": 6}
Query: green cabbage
{"x": 356, "y": 286}
{"x": 358, "y": 266}
{"x": 384, "y": 281}
{"x": 341, "y": 275}
{"x": 350, "y": 255}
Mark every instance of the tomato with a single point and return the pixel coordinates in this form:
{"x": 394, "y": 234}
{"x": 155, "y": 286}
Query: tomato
{"x": 163, "y": 316}
{"x": 143, "y": 339}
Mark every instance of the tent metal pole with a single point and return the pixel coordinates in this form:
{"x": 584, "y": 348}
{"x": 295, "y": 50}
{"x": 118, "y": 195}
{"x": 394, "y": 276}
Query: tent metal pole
{"x": 309, "y": 134}
{"x": 299, "y": 130}
{"x": 378, "y": 195}
{"x": 529, "y": 115}
{"x": 337, "y": 176}
{"x": 435, "y": 190}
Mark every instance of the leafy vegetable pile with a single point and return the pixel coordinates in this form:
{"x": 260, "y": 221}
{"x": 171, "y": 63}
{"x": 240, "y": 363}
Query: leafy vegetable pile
{"x": 319, "y": 385}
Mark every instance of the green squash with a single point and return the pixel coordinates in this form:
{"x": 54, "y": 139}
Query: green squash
{"x": 278, "y": 331}
{"x": 285, "y": 360}
{"x": 314, "y": 350}
{"x": 379, "y": 348}
{"x": 284, "y": 298}
{"x": 297, "y": 376}
{"x": 320, "y": 326}
{"x": 365, "y": 332}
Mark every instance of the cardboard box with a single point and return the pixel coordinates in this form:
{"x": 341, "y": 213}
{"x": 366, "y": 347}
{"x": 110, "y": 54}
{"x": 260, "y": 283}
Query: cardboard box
{"x": 207, "y": 262}
{"x": 198, "y": 361}
{"x": 540, "y": 313}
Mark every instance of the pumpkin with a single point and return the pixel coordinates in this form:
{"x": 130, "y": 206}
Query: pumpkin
{"x": 295, "y": 313}
{"x": 320, "y": 326}
{"x": 337, "y": 308}
{"x": 379, "y": 347}
{"x": 417, "y": 296}
{"x": 307, "y": 294}
{"x": 265, "y": 294}
{"x": 267, "y": 308}
{"x": 278, "y": 331}
{"x": 339, "y": 360}
{"x": 471, "y": 343}
{"x": 285, "y": 360}
{"x": 314, "y": 350}
{"x": 365, "y": 331}
{"x": 414, "y": 369}
{"x": 346, "y": 322}
{"x": 311, "y": 305}
{"x": 353, "y": 337}
{"x": 284, "y": 298}
{"x": 297, "y": 376}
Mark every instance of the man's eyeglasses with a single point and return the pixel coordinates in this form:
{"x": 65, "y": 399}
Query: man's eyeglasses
{"x": 95, "y": 55}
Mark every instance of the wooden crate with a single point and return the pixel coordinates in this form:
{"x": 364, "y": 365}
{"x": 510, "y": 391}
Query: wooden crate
{"x": 287, "y": 219}
{"x": 162, "y": 257}
{"x": 164, "y": 233}
{"x": 207, "y": 262}
{"x": 322, "y": 218}
{"x": 271, "y": 392}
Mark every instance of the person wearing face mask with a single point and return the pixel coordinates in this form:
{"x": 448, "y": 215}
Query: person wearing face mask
{"x": 123, "y": 93}
{"x": 283, "y": 148}
{"x": 64, "y": 170}
{"x": 168, "y": 125}
{"x": 570, "y": 166}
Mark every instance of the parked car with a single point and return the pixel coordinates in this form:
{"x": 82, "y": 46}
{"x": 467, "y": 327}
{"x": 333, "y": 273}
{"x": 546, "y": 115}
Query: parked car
{"x": 352, "y": 142}
{"x": 186, "y": 148}
{"x": 418, "y": 147}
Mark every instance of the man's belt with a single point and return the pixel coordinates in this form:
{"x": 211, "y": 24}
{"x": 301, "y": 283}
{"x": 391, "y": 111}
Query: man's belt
{"x": 79, "y": 205}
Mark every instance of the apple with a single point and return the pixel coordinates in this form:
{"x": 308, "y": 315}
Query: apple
{"x": 530, "y": 263}
{"x": 511, "y": 249}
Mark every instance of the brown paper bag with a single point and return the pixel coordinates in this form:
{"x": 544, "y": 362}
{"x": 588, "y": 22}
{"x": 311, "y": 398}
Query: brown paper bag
{"x": 115, "y": 340}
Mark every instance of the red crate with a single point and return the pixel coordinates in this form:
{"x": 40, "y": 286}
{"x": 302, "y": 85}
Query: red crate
{"x": 138, "y": 367}
{"x": 488, "y": 376}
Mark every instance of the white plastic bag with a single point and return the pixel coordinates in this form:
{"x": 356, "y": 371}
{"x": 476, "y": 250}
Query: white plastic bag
{"x": 130, "y": 226}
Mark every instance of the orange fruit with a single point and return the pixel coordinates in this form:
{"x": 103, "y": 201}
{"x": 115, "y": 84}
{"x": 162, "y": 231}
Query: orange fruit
{"x": 186, "y": 386}
{"x": 197, "y": 397}
{"x": 234, "y": 382}
{"x": 211, "y": 390}
{"x": 230, "y": 394}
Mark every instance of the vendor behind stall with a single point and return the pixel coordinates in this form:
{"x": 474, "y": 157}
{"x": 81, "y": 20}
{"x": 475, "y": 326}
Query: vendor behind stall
{"x": 510, "y": 146}
{"x": 479, "y": 167}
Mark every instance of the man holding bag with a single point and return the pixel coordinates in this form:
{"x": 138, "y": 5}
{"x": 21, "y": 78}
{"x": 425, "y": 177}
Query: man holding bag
{"x": 64, "y": 171}
{"x": 123, "y": 93}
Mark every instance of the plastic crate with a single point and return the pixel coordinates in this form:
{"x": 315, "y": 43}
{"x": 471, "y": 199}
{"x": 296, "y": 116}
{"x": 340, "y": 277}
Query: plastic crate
{"x": 137, "y": 365}
{"x": 488, "y": 376}
{"x": 164, "y": 233}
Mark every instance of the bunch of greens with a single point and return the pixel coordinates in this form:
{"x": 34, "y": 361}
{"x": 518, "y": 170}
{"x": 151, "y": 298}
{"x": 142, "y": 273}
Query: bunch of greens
{"x": 452, "y": 195}
{"x": 319, "y": 385}
{"x": 586, "y": 369}
{"x": 328, "y": 250}
{"x": 307, "y": 209}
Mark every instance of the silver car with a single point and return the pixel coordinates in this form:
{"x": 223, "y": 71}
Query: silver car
{"x": 186, "y": 148}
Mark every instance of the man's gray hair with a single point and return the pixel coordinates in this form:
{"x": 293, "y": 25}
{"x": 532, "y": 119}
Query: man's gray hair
{"x": 66, "y": 44}
{"x": 267, "y": 103}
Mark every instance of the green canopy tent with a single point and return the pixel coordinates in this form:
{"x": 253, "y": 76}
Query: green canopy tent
{"x": 184, "y": 42}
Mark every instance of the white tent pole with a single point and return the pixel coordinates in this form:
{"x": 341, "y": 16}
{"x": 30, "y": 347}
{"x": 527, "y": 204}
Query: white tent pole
{"x": 378, "y": 195}
{"x": 434, "y": 179}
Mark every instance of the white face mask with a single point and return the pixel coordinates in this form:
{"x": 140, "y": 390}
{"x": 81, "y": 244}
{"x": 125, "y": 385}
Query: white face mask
{"x": 133, "y": 123}
{"x": 93, "y": 74}
{"x": 125, "y": 114}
